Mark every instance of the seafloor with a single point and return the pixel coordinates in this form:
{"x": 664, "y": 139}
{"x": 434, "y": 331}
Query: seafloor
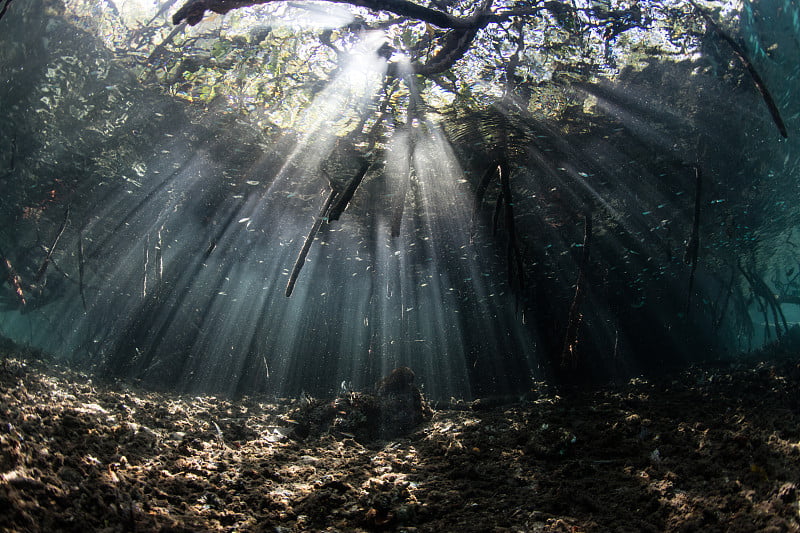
{"x": 711, "y": 448}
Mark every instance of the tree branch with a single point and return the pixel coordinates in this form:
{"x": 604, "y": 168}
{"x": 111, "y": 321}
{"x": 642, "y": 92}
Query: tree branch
{"x": 740, "y": 53}
{"x": 193, "y": 11}
{"x": 5, "y": 8}
{"x": 454, "y": 44}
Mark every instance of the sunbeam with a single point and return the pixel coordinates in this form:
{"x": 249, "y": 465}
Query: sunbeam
{"x": 191, "y": 298}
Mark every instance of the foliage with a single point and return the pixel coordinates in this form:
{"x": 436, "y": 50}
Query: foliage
{"x": 271, "y": 60}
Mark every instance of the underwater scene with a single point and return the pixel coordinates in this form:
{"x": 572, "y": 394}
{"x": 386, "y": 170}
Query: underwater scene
{"x": 399, "y": 265}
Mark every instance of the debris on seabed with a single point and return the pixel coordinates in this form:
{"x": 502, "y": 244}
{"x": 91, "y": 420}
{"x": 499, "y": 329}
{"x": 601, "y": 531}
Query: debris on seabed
{"x": 84, "y": 455}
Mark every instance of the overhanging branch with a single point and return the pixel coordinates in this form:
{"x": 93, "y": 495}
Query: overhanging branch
{"x": 193, "y": 11}
{"x": 454, "y": 44}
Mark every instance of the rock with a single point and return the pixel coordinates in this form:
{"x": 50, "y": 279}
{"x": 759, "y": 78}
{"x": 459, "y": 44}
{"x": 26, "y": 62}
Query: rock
{"x": 400, "y": 404}
{"x": 395, "y": 409}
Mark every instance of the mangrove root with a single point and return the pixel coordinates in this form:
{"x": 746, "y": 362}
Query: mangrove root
{"x": 80, "y": 268}
{"x": 769, "y": 300}
{"x": 13, "y": 278}
{"x": 740, "y": 53}
{"x": 347, "y": 194}
{"x": 575, "y": 317}
{"x": 301, "y": 257}
{"x": 42, "y": 269}
{"x": 514, "y": 253}
{"x": 693, "y": 246}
